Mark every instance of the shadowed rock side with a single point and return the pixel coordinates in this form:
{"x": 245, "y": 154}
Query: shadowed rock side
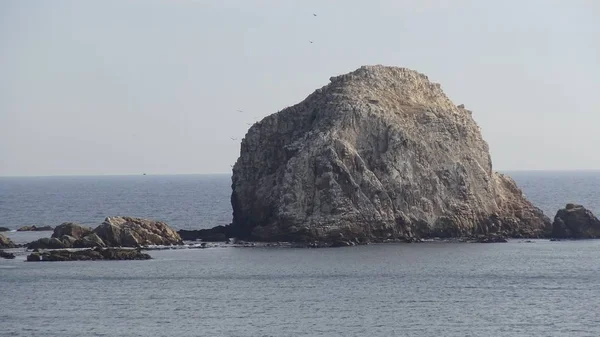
{"x": 378, "y": 153}
{"x": 575, "y": 222}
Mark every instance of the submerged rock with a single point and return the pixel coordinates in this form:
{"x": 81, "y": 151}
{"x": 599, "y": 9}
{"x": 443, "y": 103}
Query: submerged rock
{"x": 89, "y": 254}
{"x": 379, "y": 153}
{"x": 34, "y": 229}
{"x": 4, "y": 229}
{"x": 6, "y": 242}
{"x": 121, "y": 231}
{"x": 6, "y": 255}
{"x": 575, "y": 222}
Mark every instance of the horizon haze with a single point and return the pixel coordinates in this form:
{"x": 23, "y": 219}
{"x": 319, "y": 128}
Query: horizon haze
{"x": 170, "y": 87}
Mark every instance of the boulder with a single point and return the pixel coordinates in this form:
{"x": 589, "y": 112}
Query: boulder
{"x": 121, "y": 231}
{"x": 89, "y": 255}
{"x": 380, "y": 153}
{"x": 6, "y": 242}
{"x": 89, "y": 241}
{"x": 6, "y": 255}
{"x": 575, "y": 222}
{"x": 4, "y": 229}
{"x": 34, "y": 257}
{"x": 73, "y": 230}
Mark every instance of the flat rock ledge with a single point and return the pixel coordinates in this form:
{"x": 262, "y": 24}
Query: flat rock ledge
{"x": 89, "y": 255}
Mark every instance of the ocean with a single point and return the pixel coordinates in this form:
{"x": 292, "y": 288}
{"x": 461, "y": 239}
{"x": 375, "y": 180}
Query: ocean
{"x": 519, "y": 288}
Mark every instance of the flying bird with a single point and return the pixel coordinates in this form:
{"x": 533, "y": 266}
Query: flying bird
{"x": 233, "y": 138}
{"x": 310, "y": 41}
{"x": 314, "y": 14}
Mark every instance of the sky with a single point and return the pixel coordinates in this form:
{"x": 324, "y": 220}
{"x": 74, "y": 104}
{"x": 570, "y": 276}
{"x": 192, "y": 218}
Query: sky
{"x": 170, "y": 86}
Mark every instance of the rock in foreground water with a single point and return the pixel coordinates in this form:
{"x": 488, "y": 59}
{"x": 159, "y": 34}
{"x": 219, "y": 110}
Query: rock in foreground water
{"x": 377, "y": 154}
{"x": 575, "y": 222}
{"x": 6, "y": 255}
{"x": 89, "y": 254}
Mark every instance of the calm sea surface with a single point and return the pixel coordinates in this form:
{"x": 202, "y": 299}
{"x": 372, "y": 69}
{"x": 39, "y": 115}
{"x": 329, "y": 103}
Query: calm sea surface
{"x": 520, "y": 288}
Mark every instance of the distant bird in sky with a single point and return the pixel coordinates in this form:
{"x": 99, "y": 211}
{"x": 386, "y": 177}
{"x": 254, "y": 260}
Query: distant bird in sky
{"x": 310, "y": 41}
{"x": 314, "y": 14}
{"x": 233, "y": 138}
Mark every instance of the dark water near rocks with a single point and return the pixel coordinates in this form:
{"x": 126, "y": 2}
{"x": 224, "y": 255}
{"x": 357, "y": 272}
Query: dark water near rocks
{"x": 518, "y": 288}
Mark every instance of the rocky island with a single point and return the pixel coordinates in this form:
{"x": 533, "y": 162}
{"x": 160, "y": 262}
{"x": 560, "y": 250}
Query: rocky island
{"x": 575, "y": 222}
{"x": 117, "y": 231}
{"x": 379, "y": 153}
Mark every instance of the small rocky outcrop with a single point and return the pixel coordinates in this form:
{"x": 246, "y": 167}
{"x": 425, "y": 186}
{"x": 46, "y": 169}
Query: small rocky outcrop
{"x": 35, "y": 229}
{"x": 68, "y": 235}
{"x": 89, "y": 255}
{"x": 215, "y": 234}
{"x": 121, "y": 231}
{"x": 113, "y": 232}
{"x": 6, "y": 255}
{"x": 4, "y": 229}
{"x": 380, "y": 153}
{"x": 575, "y": 222}
{"x": 6, "y": 242}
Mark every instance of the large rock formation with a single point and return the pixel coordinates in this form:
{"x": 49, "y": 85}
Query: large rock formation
{"x": 378, "y": 153}
{"x": 6, "y": 242}
{"x": 121, "y": 231}
{"x": 575, "y": 222}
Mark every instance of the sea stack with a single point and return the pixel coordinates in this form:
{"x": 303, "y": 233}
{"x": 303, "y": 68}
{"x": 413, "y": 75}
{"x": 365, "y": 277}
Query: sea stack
{"x": 379, "y": 153}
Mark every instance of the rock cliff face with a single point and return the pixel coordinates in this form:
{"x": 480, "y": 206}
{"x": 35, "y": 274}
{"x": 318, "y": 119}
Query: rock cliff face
{"x": 378, "y": 153}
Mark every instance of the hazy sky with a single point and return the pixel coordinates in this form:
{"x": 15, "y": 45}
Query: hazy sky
{"x": 125, "y": 87}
